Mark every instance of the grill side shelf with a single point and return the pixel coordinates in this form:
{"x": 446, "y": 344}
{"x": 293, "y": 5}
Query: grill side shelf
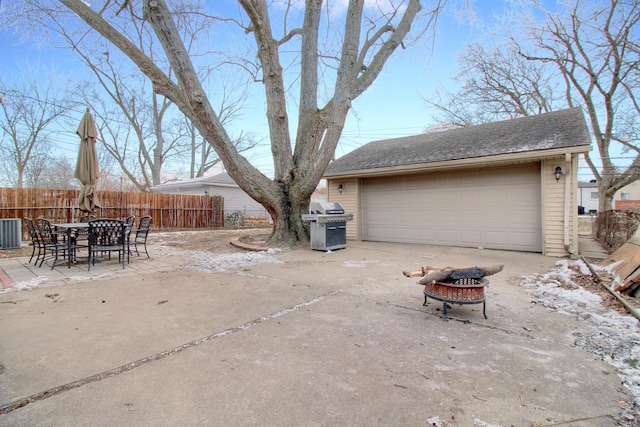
{"x": 323, "y": 219}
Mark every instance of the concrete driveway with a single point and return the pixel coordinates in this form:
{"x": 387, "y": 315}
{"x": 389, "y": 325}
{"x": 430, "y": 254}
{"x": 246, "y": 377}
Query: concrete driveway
{"x": 292, "y": 338}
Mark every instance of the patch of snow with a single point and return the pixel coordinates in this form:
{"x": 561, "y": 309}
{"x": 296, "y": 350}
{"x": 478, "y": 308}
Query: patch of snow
{"x": 48, "y": 282}
{"x": 216, "y": 262}
{"x": 358, "y": 264}
{"x": 480, "y": 423}
{"x": 36, "y": 282}
{"x": 611, "y": 336}
{"x": 435, "y": 422}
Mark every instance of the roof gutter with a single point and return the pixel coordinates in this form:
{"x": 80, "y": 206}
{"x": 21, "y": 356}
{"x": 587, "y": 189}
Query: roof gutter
{"x": 451, "y": 164}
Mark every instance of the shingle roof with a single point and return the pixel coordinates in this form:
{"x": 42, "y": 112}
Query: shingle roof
{"x": 558, "y": 129}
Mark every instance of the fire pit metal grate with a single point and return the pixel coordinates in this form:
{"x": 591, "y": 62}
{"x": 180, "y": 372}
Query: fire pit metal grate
{"x": 459, "y": 291}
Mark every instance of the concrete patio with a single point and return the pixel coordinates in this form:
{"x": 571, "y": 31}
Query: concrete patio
{"x": 291, "y": 338}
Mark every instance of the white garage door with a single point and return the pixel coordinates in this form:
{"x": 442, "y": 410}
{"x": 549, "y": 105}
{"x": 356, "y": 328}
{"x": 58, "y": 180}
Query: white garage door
{"x": 492, "y": 208}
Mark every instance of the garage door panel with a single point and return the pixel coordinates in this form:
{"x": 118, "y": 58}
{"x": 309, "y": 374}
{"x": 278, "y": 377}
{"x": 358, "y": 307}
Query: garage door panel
{"x": 414, "y": 236}
{"x": 496, "y": 238}
{"x": 519, "y": 225}
{"x": 521, "y": 239}
{"x": 378, "y": 233}
{"x": 469, "y": 197}
{"x": 469, "y": 238}
{"x": 521, "y": 195}
{"x": 448, "y": 237}
{"x": 496, "y": 208}
{"x": 495, "y": 197}
{"x": 408, "y": 234}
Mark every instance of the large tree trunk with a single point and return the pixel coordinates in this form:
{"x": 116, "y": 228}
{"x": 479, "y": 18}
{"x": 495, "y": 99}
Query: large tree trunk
{"x": 290, "y": 228}
{"x": 296, "y": 172}
{"x": 605, "y": 197}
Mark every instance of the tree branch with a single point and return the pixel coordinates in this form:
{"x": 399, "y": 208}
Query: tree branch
{"x": 161, "y": 82}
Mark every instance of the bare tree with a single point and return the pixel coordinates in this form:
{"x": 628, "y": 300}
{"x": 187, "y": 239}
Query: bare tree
{"x": 202, "y": 154}
{"x": 30, "y": 108}
{"x": 144, "y": 131}
{"x": 51, "y": 172}
{"x": 595, "y": 47}
{"x": 585, "y": 54}
{"x": 495, "y": 84}
{"x": 140, "y": 128}
{"x": 363, "y": 45}
{"x": 135, "y": 126}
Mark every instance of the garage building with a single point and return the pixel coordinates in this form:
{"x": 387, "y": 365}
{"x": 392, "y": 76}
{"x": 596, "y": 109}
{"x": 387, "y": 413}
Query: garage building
{"x": 508, "y": 185}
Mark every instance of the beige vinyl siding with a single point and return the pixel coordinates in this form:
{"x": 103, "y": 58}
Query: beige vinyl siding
{"x": 554, "y": 207}
{"x": 349, "y": 201}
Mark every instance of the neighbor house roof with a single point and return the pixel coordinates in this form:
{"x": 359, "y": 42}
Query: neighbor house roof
{"x": 219, "y": 180}
{"x": 584, "y": 184}
{"x": 538, "y": 136}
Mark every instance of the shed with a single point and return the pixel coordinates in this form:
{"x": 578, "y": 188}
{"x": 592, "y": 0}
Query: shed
{"x": 235, "y": 199}
{"x": 508, "y": 185}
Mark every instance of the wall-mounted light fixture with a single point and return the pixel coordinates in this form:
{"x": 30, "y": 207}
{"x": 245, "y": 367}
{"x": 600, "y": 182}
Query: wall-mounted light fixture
{"x": 340, "y": 188}
{"x": 206, "y": 192}
{"x": 558, "y": 173}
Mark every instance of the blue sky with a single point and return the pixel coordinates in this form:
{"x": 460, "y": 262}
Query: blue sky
{"x": 392, "y": 107}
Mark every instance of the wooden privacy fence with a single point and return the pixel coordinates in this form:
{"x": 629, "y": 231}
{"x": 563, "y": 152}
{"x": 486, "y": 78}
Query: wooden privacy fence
{"x": 169, "y": 211}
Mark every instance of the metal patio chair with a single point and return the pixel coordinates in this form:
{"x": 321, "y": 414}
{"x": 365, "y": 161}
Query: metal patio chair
{"x": 141, "y": 233}
{"x": 52, "y": 242}
{"x": 130, "y": 221}
{"x": 106, "y": 236}
{"x": 82, "y": 236}
{"x": 35, "y": 239}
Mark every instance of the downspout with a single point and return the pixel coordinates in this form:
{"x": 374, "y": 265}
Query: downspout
{"x": 567, "y": 202}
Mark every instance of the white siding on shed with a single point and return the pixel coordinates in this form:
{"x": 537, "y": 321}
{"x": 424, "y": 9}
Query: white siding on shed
{"x": 235, "y": 199}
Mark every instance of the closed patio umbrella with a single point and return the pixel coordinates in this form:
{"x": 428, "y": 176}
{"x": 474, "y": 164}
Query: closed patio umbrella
{"x": 87, "y": 165}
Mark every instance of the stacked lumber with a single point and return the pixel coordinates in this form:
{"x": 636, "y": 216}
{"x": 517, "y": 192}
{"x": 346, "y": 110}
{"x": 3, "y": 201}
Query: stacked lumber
{"x": 624, "y": 263}
{"x": 433, "y": 274}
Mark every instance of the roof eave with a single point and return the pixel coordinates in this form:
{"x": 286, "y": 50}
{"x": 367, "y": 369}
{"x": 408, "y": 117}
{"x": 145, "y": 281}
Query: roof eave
{"x": 204, "y": 184}
{"x": 452, "y": 164}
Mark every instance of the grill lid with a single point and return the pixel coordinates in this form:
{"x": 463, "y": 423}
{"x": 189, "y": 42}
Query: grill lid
{"x": 326, "y": 208}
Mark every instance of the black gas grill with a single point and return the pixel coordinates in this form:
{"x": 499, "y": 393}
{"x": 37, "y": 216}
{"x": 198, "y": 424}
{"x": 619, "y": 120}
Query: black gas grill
{"x": 328, "y": 225}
